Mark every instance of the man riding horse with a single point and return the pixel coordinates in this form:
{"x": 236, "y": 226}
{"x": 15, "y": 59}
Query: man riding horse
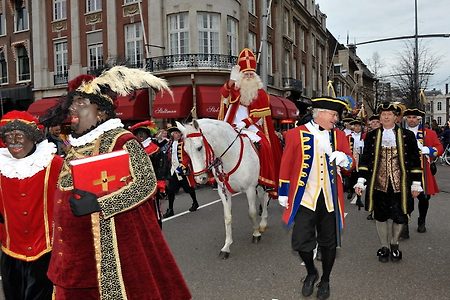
{"x": 245, "y": 105}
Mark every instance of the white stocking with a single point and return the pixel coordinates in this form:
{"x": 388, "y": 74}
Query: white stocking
{"x": 383, "y": 233}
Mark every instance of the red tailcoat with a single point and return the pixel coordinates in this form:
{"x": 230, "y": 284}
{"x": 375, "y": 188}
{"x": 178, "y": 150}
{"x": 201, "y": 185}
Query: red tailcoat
{"x": 296, "y": 165}
{"x": 259, "y": 109}
{"x": 120, "y": 251}
{"x": 436, "y": 149}
{"x": 27, "y": 208}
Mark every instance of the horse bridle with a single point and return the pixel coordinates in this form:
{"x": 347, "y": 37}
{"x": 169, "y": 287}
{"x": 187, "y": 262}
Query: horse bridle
{"x": 216, "y": 162}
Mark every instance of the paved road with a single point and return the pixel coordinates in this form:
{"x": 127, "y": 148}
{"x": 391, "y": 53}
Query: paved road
{"x": 270, "y": 270}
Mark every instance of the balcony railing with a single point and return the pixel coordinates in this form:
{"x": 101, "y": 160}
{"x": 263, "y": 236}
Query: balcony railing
{"x": 60, "y": 78}
{"x": 270, "y": 80}
{"x": 292, "y": 84}
{"x": 193, "y": 61}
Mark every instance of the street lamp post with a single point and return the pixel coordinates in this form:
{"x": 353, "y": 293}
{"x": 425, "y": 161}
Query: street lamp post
{"x": 415, "y": 95}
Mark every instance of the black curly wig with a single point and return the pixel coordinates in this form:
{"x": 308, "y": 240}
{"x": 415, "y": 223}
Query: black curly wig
{"x": 32, "y": 132}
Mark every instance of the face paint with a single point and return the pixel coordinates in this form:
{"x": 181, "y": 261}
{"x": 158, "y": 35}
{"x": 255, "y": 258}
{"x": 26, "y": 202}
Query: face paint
{"x": 18, "y": 144}
{"x": 83, "y": 114}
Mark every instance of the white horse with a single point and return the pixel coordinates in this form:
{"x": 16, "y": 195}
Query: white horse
{"x": 215, "y": 146}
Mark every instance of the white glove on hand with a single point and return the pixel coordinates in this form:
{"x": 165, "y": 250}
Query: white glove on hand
{"x": 240, "y": 125}
{"x": 235, "y": 73}
{"x": 425, "y": 150}
{"x": 340, "y": 157}
{"x": 361, "y": 183}
{"x": 416, "y": 187}
{"x": 283, "y": 200}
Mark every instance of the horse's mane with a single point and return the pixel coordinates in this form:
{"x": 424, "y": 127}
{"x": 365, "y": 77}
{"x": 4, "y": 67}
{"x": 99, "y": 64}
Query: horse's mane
{"x": 213, "y": 127}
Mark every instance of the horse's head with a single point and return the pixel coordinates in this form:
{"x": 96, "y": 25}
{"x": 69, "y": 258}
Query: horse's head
{"x": 198, "y": 150}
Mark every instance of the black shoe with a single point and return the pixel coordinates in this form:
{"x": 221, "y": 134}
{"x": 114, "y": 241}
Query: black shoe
{"x": 421, "y": 228}
{"x": 323, "y": 290}
{"x": 194, "y": 206}
{"x": 349, "y": 196}
{"x": 405, "y": 233}
{"x": 359, "y": 203}
{"x": 369, "y": 217}
{"x": 308, "y": 284}
{"x": 396, "y": 255}
{"x": 169, "y": 213}
{"x": 383, "y": 254}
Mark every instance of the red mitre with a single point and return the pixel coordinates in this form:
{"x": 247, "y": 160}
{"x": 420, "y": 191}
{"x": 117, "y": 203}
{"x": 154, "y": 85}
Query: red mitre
{"x": 247, "y": 60}
{"x": 77, "y": 81}
{"x": 22, "y": 116}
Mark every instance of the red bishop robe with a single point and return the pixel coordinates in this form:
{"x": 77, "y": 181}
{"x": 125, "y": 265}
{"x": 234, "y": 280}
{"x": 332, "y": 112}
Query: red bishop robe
{"x": 259, "y": 109}
{"x": 296, "y": 165}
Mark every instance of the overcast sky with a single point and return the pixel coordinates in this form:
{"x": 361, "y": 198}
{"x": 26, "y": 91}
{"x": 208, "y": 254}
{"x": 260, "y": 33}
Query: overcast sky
{"x": 367, "y": 20}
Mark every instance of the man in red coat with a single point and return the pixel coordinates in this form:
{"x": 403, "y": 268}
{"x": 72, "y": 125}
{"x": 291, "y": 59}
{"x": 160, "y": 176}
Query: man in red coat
{"x": 246, "y": 106}
{"x": 29, "y": 170}
{"x": 308, "y": 192}
{"x": 430, "y": 146}
{"x": 110, "y": 247}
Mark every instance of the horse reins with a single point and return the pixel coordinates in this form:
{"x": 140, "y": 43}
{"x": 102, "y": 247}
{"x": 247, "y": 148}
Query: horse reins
{"x": 216, "y": 162}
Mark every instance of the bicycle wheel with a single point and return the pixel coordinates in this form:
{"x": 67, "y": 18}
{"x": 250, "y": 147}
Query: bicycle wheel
{"x": 446, "y": 158}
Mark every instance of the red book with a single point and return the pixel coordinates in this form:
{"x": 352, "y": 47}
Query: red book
{"x": 101, "y": 174}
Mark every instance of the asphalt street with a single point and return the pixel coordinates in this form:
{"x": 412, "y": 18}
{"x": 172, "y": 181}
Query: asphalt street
{"x": 270, "y": 270}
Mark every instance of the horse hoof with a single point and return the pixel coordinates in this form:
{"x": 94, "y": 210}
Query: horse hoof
{"x": 256, "y": 239}
{"x": 224, "y": 255}
{"x": 262, "y": 229}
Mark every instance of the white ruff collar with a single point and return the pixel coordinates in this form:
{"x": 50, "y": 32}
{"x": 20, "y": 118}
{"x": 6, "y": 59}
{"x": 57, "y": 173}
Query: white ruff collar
{"x": 147, "y": 142}
{"x": 95, "y": 133}
{"x": 22, "y": 168}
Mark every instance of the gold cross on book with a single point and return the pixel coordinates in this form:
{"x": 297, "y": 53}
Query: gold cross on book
{"x": 103, "y": 180}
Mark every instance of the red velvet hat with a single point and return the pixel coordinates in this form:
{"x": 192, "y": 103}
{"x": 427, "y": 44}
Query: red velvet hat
{"x": 148, "y": 125}
{"x": 21, "y": 116}
{"x": 247, "y": 60}
{"x": 77, "y": 81}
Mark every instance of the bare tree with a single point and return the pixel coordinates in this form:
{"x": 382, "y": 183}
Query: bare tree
{"x": 403, "y": 73}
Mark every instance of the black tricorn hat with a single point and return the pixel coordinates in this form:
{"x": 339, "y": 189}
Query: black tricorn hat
{"x": 389, "y": 106}
{"x": 414, "y": 112}
{"x": 173, "y": 129}
{"x": 329, "y": 103}
{"x": 374, "y": 117}
{"x": 357, "y": 121}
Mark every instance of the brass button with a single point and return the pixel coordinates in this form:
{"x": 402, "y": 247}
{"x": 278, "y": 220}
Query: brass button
{"x": 60, "y": 240}
{"x": 23, "y": 195}
{"x": 29, "y": 248}
{"x": 26, "y": 231}
{"x": 59, "y": 201}
{"x": 60, "y": 253}
{"x": 25, "y": 213}
{"x": 59, "y": 228}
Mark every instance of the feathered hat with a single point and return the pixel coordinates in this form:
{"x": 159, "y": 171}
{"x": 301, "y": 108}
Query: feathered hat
{"x": 121, "y": 81}
{"x": 24, "y": 121}
{"x": 78, "y": 81}
{"x": 149, "y": 126}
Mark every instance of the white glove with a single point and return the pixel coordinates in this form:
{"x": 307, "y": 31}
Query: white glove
{"x": 240, "y": 125}
{"x": 360, "y": 184}
{"x": 283, "y": 200}
{"x": 340, "y": 157}
{"x": 416, "y": 186}
{"x": 235, "y": 73}
{"x": 425, "y": 150}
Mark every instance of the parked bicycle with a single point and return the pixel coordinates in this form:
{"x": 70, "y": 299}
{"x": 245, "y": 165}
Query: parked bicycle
{"x": 445, "y": 157}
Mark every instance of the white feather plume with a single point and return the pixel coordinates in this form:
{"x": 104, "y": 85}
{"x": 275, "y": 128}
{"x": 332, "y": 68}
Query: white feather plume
{"x": 123, "y": 81}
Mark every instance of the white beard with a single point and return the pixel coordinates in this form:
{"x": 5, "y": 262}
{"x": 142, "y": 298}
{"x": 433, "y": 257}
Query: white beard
{"x": 248, "y": 89}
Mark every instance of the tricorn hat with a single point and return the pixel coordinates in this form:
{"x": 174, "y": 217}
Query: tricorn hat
{"x": 357, "y": 121}
{"x": 414, "y": 112}
{"x": 389, "y": 106}
{"x": 247, "y": 60}
{"x": 374, "y": 117}
{"x": 173, "y": 129}
{"x": 329, "y": 103}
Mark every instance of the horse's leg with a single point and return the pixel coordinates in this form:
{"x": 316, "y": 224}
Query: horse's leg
{"x": 251, "y": 198}
{"x": 226, "y": 202}
{"x": 264, "y": 203}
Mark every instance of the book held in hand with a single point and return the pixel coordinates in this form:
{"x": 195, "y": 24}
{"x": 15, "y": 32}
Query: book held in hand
{"x": 101, "y": 174}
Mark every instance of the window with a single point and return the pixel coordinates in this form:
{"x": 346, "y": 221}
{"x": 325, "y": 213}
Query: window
{"x": 439, "y": 120}
{"x": 286, "y": 27}
{"x": 3, "y": 67}
{"x": 21, "y": 18}
{"x": 294, "y": 68}
{"x": 95, "y": 54}
{"x": 22, "y": 64}
{"x": 252, "y": 42}
{"x": 287, "y": 64}
{"x": 178, "y": 33}
{"x": 314, "y": 45}
{"x": 134, "y": 44}
{"x": 59, "y": 10}
{"x": 439, "y": 106}
{"x": 93, "y": 5}
{"x": 295, "y": 32}
{"x": 269, "y": 59}
{"x": 252, "y": 7}
{"x": 314, "y": 78}
{"x": 130, "y": 1}
{"x": 303, "y": 74}
{"x": 269, "y": 15}
{"x": 208, "y": 33}
{"x": 303, "y": 39}
{"x": 232, "y": 36}
{"x": 61, "y": 58}
{"x": 2, "y": 24}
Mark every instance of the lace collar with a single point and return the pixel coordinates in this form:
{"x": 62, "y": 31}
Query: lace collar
{"x": 95, "y": 133}
{"x": 28, "y": 166}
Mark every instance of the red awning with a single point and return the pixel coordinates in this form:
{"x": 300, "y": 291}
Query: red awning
{"x": 277, "y": 107}
{"x": 208, "y": 101}
{"x": 134, "y": 106}
{"x": 39, "y": 107}
{"x": 292, "y": 110}
{"x": 164, "y": 107}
